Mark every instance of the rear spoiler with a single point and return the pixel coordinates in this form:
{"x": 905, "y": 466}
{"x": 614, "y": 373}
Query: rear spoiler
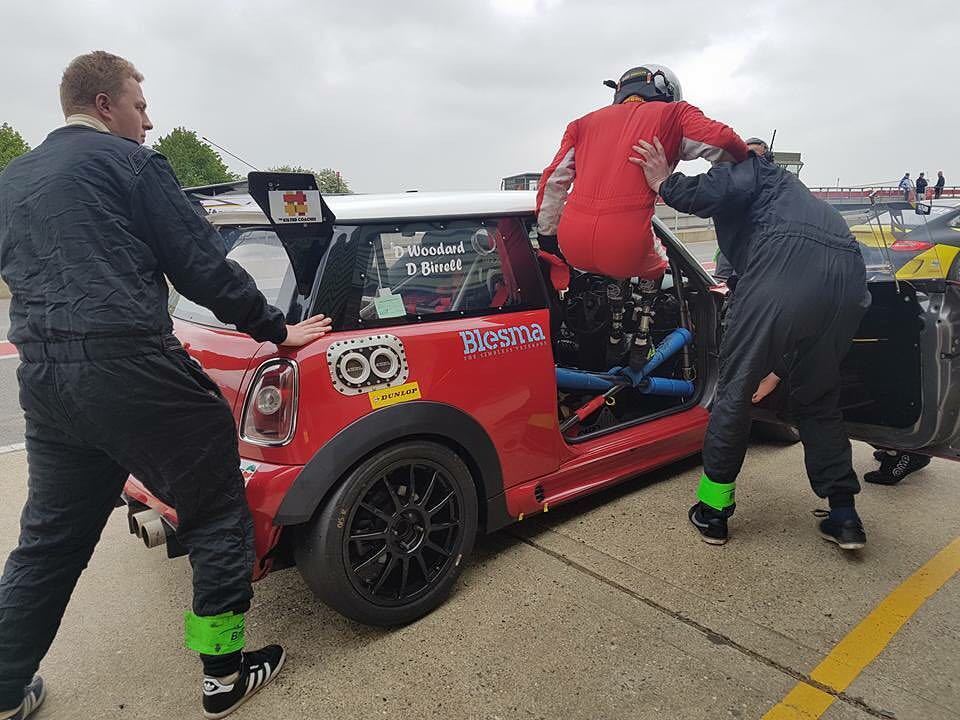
{"x": 218, "y": 188}
{"x": 197, "y": 194}
{"x": 299, "y": 216}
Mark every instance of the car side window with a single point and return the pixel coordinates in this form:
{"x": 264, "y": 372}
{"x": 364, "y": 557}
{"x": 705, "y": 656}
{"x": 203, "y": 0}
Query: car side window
{"x": 431, "y": 270}
{"x": 259, "y": 252}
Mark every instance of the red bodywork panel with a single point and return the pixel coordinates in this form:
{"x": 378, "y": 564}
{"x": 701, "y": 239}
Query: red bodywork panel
{"x": 595, "y": 464}
{"x": 510, "y": 391}
{"x": 225, "y": 355}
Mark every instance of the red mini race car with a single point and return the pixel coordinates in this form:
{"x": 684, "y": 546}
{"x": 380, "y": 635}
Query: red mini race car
{"x": 461, "y": 392}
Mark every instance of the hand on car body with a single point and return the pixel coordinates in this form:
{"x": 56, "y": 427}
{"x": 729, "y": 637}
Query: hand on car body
{"x": 307, "y": 331}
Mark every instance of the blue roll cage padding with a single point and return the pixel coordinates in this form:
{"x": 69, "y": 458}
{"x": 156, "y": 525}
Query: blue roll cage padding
{"x": 578, "y": 380}
{"x": 568, "y": 379}
{"x": 666, "y": 386}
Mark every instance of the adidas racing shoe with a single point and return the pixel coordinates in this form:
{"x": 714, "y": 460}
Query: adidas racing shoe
{"x": 257, "y": 669}
{"x": 33, "y": 697}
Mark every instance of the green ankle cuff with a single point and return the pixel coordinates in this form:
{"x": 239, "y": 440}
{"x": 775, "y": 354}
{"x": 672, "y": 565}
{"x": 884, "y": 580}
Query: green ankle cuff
{"x": 719, "y": 496}
{"x": 213, "y": 634}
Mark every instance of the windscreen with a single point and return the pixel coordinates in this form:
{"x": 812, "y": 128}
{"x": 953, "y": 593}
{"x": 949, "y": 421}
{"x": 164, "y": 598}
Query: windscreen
{"x": 906, "y": 240}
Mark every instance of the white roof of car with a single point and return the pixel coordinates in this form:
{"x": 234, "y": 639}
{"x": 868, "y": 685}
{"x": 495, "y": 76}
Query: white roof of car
{"x": 239, "y": 208}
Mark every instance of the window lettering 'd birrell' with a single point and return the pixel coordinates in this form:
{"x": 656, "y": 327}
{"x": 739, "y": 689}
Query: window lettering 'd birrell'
{"x": 488, "y": 343}
{"x": 428, "y": 267}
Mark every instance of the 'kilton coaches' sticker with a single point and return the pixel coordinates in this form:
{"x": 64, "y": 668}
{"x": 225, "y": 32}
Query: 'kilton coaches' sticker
{"x": 486, "y": 343}
{"x": 295, "y": 206}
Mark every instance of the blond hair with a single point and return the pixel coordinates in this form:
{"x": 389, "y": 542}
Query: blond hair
{"x": 89, "y": 75}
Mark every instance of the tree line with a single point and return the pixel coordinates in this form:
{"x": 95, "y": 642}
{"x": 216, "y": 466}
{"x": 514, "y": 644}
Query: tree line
{"x": 194, "y": 162}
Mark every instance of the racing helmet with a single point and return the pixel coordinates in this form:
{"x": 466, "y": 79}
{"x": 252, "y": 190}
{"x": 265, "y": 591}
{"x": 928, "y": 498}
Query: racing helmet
{"x": 651, "y": 82}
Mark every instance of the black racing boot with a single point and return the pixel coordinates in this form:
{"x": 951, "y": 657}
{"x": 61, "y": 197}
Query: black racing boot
{"x": 33, "y": 697}
{"x": 842, "y": 526}
{"x": 711, "y": 523}
{"x": 258, "y": 668}
{"x": 894, "y": 468}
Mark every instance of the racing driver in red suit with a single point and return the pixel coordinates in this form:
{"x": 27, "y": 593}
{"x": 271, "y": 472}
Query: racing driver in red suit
{"x": 603, "y": 226}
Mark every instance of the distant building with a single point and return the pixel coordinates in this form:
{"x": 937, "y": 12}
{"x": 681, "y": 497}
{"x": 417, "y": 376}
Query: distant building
{"x": 789, "y": 161}
{"x": 523, "y": 181}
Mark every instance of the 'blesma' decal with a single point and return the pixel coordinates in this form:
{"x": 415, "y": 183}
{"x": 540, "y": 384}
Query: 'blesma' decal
{"x": 506, "y": 339}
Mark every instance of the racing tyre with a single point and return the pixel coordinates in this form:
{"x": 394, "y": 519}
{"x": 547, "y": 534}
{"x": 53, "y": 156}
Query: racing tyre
{"x": 391, "y": 541}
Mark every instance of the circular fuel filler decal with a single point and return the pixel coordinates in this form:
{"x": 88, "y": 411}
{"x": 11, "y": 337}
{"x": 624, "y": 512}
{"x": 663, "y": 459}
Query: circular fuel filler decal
{"x": 361, "y": 365}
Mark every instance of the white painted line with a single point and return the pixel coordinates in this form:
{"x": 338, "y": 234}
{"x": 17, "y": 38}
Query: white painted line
{"x": 9, "y": 357}
{"x": 4, "y": 449}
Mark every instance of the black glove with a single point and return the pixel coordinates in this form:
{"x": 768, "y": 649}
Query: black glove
{"x": 551, "y": 245}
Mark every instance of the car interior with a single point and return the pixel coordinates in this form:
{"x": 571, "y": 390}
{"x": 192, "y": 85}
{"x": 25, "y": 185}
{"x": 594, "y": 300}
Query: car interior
{"x": 601, "y": 325}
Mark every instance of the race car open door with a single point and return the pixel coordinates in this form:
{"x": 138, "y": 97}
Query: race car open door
{"x": 900, "y": 380}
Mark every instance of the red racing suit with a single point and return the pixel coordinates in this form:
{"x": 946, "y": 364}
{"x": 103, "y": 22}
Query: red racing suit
{"x": 604, "y": 225}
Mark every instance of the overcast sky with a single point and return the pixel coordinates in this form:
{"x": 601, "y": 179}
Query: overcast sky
{"x": 455, "y": 94}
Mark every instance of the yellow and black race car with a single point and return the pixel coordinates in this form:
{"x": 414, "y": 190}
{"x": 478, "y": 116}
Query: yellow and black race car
{"x": 919, "y": 242}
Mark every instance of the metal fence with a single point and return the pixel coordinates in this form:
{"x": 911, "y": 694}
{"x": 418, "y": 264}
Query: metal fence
{"x": 859, "y": 192}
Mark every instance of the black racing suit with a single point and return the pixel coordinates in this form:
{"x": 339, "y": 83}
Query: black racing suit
{"x": 800, "y": 296}
{"x": 91, "y": 227}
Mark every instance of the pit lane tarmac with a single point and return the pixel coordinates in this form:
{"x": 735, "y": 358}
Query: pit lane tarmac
{"x": 608, "y": 608}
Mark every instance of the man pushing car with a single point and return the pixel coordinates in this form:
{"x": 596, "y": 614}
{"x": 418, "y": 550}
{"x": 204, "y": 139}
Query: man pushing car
{"x": 799, "y": 299}
{"x": 92, "y": 224}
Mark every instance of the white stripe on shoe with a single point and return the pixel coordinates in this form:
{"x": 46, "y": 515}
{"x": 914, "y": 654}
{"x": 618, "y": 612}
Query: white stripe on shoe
{"x": 258, "y": 677}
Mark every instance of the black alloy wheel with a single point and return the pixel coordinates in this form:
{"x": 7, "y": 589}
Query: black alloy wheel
{"x": 390, "y": 543}
{"x": 404, "y": 532}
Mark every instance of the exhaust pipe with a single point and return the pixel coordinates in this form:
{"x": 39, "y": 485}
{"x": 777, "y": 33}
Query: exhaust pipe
{"x": 136, "y": 520}
{"x": 153, "y": 532}
{"x": 157, "y": 532}
{"x": 149, "y": 526}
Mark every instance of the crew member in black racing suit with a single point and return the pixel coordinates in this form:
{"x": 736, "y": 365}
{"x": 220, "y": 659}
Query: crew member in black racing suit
{"x": 724, "y": 270}
{"x": 800, "y": 296}
{"x": 92, "y": 224}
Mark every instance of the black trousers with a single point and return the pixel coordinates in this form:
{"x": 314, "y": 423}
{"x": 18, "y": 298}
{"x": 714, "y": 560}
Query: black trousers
{"x": 795, "y": 311}
{"x": 95, "y": 412}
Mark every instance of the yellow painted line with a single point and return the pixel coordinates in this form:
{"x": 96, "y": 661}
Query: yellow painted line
{"x": 868, "y": 639}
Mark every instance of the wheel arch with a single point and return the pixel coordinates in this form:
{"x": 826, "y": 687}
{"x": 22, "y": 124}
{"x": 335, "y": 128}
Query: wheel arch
{"x": 418, "y": 420}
